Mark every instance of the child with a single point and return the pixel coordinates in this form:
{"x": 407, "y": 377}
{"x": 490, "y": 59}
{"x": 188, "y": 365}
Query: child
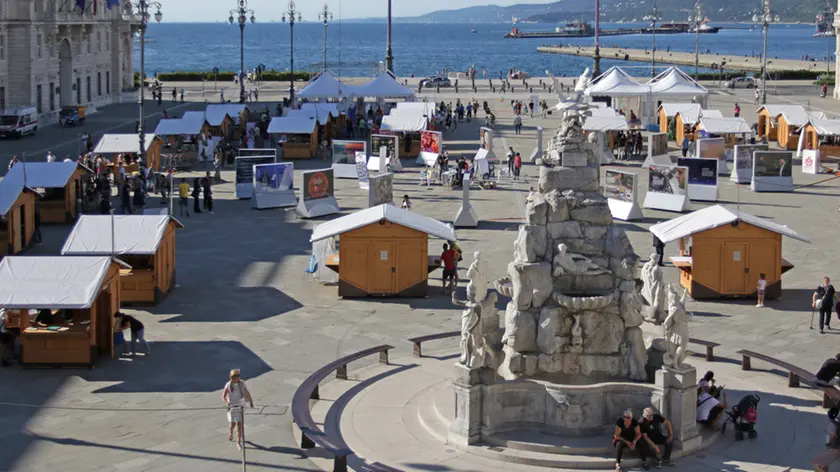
{"x": 762, "y": 285}
{"x": 406, "y": 203}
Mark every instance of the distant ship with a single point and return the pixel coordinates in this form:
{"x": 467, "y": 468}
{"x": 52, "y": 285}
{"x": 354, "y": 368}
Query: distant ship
{"x": 473, "y": 31}
{"x": 705, "y": 27}
{"x": 825, "y": 24}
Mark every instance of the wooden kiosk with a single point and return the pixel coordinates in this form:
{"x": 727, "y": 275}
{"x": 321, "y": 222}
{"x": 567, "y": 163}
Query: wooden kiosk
{"x": 17, "y": 217}
{"x": 783, "y": 123}
{"x": 81, "y": 293}
{"x": 667, "y": 113}
{"x": 687, "y": 120}
{"x": 227, "y": 120}
{"x": 299, "y": 136}
{"x": 824, "y": 136}
{"x": 732, "y": 130}
{"x": 112, "y": 145}
{"x": 383, "y": 251}
{"x": 145, "y": 242}
{"x": 733, "y": 249}
{"x": 61, "y": 183}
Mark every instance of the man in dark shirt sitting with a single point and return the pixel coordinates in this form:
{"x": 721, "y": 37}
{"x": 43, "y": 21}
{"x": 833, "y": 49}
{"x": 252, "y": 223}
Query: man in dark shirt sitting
{"x": 829, "y": 370}
{"x": 657, "y": 431}
{"x": 826, "y": 296}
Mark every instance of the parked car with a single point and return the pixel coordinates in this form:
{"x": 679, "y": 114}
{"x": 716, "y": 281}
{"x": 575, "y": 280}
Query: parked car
{"x": 71, "y": 116}
{"x": 741, "y": 82}
{"x": 17, "y": 122}
{"x": 435, "y": 82}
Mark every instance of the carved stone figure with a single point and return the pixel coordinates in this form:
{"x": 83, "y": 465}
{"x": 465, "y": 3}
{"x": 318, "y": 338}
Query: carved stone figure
{"x": 473, "y": 346}
{"x": 676, "y": 330}
{"x": 477, "y": 273}
{"x": 575, "y": 264}
{"x": 653, "y": 289}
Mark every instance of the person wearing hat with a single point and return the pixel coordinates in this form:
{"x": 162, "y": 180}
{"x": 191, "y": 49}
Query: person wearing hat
{"x": 659, "y": 434}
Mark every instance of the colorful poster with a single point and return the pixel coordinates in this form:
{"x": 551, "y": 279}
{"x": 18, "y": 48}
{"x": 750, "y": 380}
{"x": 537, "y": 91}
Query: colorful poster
{"x": 700, "y": 171}
{"x": 273, "y": 178}
{"x": 344, "y": 152}
{"x": 486, "y": 139}
{"x": 245, "y": 167}
{"x": 318, "y": 184}
{"x": 620, "y": 185}
{"x": 811, "y": 161}
{"x": 711, "y": 148}
{"x": 390, "y": 142}
{"x": 430, "y": 142}
{"x": 772, "y": 163}
{"x": 671, "y": 180}
{"x": 744, "y": 155}
{"x": 361, "y": 170}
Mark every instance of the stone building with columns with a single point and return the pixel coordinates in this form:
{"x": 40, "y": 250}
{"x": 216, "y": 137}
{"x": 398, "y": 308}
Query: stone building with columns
{"x": 53, "y": 53}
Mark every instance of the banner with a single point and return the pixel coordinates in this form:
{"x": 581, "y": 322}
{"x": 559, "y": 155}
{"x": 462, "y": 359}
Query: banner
{"x": 671, "y": 180}
{"x": 361, "y": 170}
{"x": 344, "y": 152}
{"x": 772, "y": 164}
{"x": 711, "y": 148}
{"x": 744, "y": 155}
{"x": 318, "y": 184}
{"x": 273, "y": 178}
{"x": 810, "y": 161}
{"x": 620, "y": 185}
{"x": 245, "y": 168}
{"x": 381, "y": 190}
{"x": 430, "y": 142}
{"x": 390, "y": 142}
{"x": 486, "y": 139}
{"x": 700, "y": 171}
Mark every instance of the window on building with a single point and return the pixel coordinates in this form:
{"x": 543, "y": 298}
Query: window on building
{"x": 87, "y": 41}
{"x": 38, "y": 41}
{"x": 99, "y": 84}
{"x": 88, "y": 89}
{"x": 2, "y": 46}
{"x": 108, "y": 82}
{"x": 78, "y": 90}
{"x": 99, "y": 41}
{"x": 2, "y": 98}
{"x": 38, "y": 97}
{"x": 52, "y": 96}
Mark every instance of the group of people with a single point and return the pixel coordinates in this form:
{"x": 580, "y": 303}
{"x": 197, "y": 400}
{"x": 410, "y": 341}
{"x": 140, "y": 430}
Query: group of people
{"x": 628, "y": 145}
{"x": 652, "y": 436}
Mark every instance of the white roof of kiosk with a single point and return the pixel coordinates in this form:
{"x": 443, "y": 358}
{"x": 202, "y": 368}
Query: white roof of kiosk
{"x": 10, "y": 190}
{"x": 326, "y": 85}
{"x": 179, "y": 127}
{"x": 66, "y": 282}
{"x": 425, "y": 108}
{"x": 42, "y": 174}
{"x": 215, "y": 114}
{"x": 298, "y": 124}
{"x": 387, "y": 212}
{"x": 605, "y": 123}
{"x": 671, "y": 109}
{"x": 319, "y": 109}
{"x": 676, "y": 83}
{"x": 692, "y": 116}
{"x": 712, "y": 217}
{"x": 616, "y": 83}
{"x": 725, "y": 125}
{"x": 385, "y": 85}
{"x": 796, "y": 115}
{"x": 122, "y": 143}
{"x": 134, "y": 234}
{"x": 827, "y": 127}
{"x": 404, "y": 122}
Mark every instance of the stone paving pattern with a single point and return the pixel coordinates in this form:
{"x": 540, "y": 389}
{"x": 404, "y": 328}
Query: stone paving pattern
{"x": 243, "y": 300}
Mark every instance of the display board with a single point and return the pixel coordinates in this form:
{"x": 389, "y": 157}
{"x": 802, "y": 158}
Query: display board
{"x": 392, "y": 142}
{"x": 387, "y": 161}
{"x": 743, "y": 162}
{"x": 657, "y": 152}
{"x": 667, "y": 188}
{"x": 430, "y": 146}
{"x": 772, "y": 171}
{"x": 274, "y": 185}
{"x": 344, "y": 157}
{"x": 486, "y": 140}
{"x": 361, "y": 170}
{"x": 482, "y": 164}
{"x": 245, "y": 152}
{"x": 811, "y": 161}
{"x": 466, "y": 217}
{"x": 381, "y": 190}
{"x": 244, "y": 166}
{"x": 620, "y": 190}
{"x": 702, "y": 178}
{"x": 317, "y": 194}
{"x": 713, "y": 148}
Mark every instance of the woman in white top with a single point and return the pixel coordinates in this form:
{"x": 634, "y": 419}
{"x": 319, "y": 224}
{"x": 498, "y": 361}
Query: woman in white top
{"x": 236, "y": 396}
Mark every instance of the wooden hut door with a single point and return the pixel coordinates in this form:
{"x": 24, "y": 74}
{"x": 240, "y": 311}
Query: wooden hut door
{"x": 735, "y": 275}
{"x": 20, "y": 229}
{"x": 384, "y": 264}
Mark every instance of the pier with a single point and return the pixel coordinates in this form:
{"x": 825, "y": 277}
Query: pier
{"x": 707, "y": 61}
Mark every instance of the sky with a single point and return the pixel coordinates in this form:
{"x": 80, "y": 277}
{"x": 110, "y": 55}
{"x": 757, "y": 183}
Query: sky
{"x": 268, "y": 10}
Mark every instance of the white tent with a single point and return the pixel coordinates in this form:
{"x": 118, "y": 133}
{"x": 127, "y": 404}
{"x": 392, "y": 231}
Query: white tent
{"x": 615, "y": 83}
{"x": 42, "y": 174}
{"x": 385, "y": 85}
{"x": 66, "y": 282}
{"x": 675, "y": 83}
{"x": 719, "y": 125}
{"x": 713, "y": 217}
{"x": 179, "y": 127}
{"x": 372, "y": 215}
{"x": 291, "y": 125}
{"x": 319, "y": 110}
{"x": 425, "y": 108}
{"x": 326, "y": 85}
{"x": 605, "y": 123}
{"x": 134, "y": 235}
{"x": 122, "y": 143}
{"x": 404, "y": 122}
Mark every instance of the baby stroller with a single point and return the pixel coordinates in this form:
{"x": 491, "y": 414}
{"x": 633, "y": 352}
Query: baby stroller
{"x": 743, "y": 417}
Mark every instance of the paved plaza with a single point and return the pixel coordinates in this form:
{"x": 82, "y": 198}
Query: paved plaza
{"x": 244, "y": 301}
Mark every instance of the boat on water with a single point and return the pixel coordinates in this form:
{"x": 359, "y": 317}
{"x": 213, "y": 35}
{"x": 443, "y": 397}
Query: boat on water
{"x": 576, "y": 29}
{"x": 473, "y": 31}
{"x": 705, "y": 27}
{"x": 825, "y": 24}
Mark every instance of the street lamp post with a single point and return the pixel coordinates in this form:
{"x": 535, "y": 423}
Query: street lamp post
{"x": 292, "y": 14}
{"x": 389, "y": 55}
{"x": 696, "y": 17}
{"x": 765, "y": 18}
{"x": 241, "y": 13}
{"x": 142, "y": 16}
{"x": 597, "y": 56}
{"x": 326, "y": 17}
{"x": 653, "y": 17}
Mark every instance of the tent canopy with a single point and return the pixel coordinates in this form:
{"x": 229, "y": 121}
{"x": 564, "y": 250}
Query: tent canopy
{"x": 404, "y": 122}
{"x": 605, "y": 123}
{"x": 387, "y": 212}
{"x": 319, "y": 110}
{"x": 693, "y": 116}
{"x": 122, "y": 143}
{"x": 615, "y": 83}
{"x": 42, "y": 174}
{"x": 326, "y": 85}
{"x": 385, "y": 85}
{"x": 179, "y": 127}
{"x": 299, "y": 124}
{"x": 725, "y": 125}
{"x": 134, "y": 235}
{"x": 425, "y": 108}
{"x": 676, "y": 83}
{"x": 66, "y": 282}
{"x": 671, "y": 109}
{"x": 827, "y": 127}
{"x": 713, "y": 217}
{"x": 795, "y": 115}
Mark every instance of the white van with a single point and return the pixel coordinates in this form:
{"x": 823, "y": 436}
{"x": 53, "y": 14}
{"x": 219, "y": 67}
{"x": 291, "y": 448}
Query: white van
{"x": 18, "y": 122}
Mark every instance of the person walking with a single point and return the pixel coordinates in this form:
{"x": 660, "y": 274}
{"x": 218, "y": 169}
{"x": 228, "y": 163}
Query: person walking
{"x": 236, "y": 396}
{"x": 139, "y": 200}
{"x": 138, "y": 331}
{"x": 684, "y": 145}
{"x": 182, "y": 95}
{"x": 737, "y": 110}
{"x": 196, "y": 193}
{"x": 659, "y": 434}
{"x": 125, "y": 197}
{"x": 517, "y": 166}
{"x": 762, "y": 286}
{"x": 660, "y": 249}
{"x": 756, "y": 95}
{"x": 207, "y": 187}
{"x": 517, "y": 124}
{"x": 822, "y": 299}
{"x": 184, "y": 197}
{"x": 510, "y": 160}
{"x": 406, "y": 203}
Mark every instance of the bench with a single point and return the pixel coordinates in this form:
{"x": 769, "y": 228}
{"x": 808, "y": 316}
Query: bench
{"x": 831, "y": 395}
{"x": 710, "y": 347}
{"x": 418, "y": 341}
{"x": 823, "y": 462}
{"x": 312, "y": 435}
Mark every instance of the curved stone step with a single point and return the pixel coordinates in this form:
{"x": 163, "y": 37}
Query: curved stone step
{"x": 535, "y": 441}
{"x": 550, "y": 460}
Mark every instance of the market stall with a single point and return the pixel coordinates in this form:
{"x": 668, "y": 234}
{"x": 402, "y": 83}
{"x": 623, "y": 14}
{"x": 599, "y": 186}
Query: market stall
{"x": 299, "y": 136}
{"x": 383, "y": 251}
{"x": 782, "y": 123}
{"x": 227, "y": 120}
{"x": 384, "y": 86}
{"x": 128, "y": 147}
{"x": 61, "y": 184}
{"x": 323, "y": 122}
{"x": 723, "y": 251}
{"x": 326, "y": 86}
{"x": 686, "y": 122}
{"x": 75, "y": 299}
{"x": 668, "y": 112}
{"x": 823, "y": 136}
{"x": 407, "y": 123}
{"x": 608, "y": 127}
{"x": 17, "y": 217}
{"x": 620, "y": 92}
{"x": 145, "y": 242}
{"x": 327, "y": 112}
{"x": 180, "y": 138}
{"x": 733, "y": 130}
{"x": 674, "y": 85}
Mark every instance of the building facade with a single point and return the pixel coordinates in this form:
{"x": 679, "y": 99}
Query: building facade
{"x": 53, "y": 53}
{"x": 837, "y": 52}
